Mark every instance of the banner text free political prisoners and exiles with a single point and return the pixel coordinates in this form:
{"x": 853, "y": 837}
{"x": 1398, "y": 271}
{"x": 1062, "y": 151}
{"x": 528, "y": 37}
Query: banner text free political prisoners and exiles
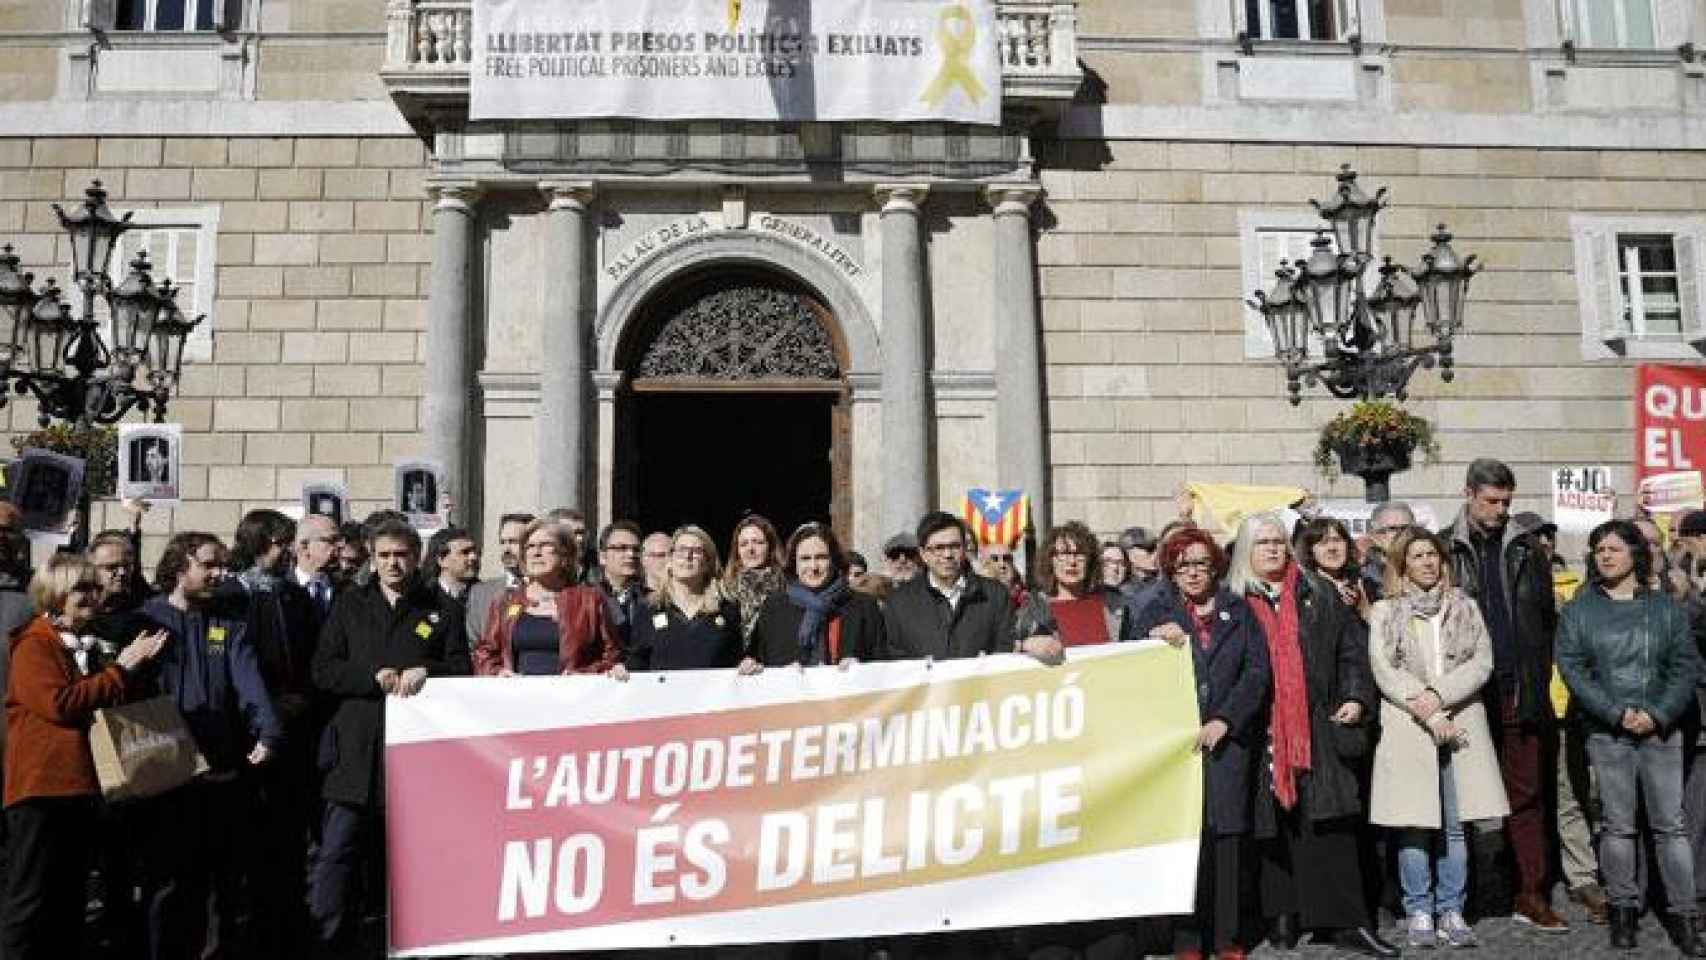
{"x": 704, "y": 808}
{"x": 783, "y": 60}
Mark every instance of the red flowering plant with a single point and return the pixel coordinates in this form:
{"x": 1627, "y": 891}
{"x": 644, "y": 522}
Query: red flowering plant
{"x": 1374, "y": 430}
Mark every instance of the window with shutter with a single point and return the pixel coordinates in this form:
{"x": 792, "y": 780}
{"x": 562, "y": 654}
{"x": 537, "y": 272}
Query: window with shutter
{"x": 164, "y": 16}
{"x": 1639, "y": 286}
{"x": 1300, "y": 19}
{"x": 182, "y": 244}
{"x": 1269, "y": 238}
{"x": 1618, "y": 24}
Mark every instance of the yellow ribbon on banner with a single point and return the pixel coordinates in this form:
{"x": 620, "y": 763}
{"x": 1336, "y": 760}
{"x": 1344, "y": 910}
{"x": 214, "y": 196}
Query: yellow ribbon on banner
{"x": 734, "y": 14}
{"x": 957, "y": 44}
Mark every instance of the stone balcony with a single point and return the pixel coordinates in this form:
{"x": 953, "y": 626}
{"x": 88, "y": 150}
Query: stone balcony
{"x": 429, "y": 48}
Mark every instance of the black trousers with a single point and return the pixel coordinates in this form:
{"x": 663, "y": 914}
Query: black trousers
{"x": 1313, "y": 870}
{"x": 275, "y": 868}
{"x": 195, "y": 837}
{"x": 351, "y": 840}
{"x": 48, "y": 846}
{"x": 1214, "y": 926}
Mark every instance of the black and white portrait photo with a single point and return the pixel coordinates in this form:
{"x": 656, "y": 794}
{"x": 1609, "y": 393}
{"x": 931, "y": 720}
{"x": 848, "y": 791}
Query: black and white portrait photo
{"x": 148, "y": 461}
{"x": 326, "y": 499}
{"x": 418, "y": 483}
{"x": 45, "y": 488}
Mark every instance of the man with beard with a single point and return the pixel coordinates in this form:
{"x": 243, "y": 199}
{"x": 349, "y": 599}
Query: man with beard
{"x": 212, "y": 671}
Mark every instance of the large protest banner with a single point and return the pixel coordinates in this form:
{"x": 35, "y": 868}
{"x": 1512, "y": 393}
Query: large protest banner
{"x": 697, "y": 808}
{"x": 787, "y": 60}
{"x": 1670, "y": 435}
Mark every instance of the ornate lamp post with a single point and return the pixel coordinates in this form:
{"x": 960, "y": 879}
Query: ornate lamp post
{"x": 60, "y": 358}
{"x": 1367, "y": 340}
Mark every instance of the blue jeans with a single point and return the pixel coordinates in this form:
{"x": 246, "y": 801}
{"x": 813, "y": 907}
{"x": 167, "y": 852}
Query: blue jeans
{"x": 1629, "y": 771}
{"x": 1420, "y": 857}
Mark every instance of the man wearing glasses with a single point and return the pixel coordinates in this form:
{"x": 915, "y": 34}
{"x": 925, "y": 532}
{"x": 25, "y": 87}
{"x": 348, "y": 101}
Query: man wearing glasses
{"x": 949, "y": 612}
{"x": 1384, "y": 525}
{"x": 620, "y": 577}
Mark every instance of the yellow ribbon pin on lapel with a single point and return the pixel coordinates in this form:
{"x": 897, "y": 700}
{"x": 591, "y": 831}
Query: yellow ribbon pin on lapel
{"x": 956, "y": 33}
{"x": 734, "y": 14}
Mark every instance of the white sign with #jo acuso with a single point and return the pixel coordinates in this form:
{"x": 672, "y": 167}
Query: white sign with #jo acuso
{"x": 1582, "y": 498}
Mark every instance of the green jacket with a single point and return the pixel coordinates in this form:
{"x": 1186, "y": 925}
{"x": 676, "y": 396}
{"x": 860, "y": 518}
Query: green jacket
{"x": 1620, "y": 654}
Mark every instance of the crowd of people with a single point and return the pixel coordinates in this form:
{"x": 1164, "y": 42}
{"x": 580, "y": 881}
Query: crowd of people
{"x": 1416, "y": 723}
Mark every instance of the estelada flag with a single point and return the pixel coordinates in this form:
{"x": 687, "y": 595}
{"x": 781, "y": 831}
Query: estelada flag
{"x": 997, "y": 516}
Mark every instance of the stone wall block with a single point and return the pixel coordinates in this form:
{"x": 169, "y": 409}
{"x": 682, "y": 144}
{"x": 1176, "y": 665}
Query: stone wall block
{"x": 346, "y": 449}
{"x": 385, "y": 280}
{"x": 281, "y": 380}
{"x": 322, "y": 215}
{"x": 129, "y": 152}
{"x": 289, "y": 249}
{"x": 251, "y": 281}
{"x": 323, "y": 281}
{"x": 158, "y": 184}
{"x": 291, "y": 184}
{"x": 195, "y": 152}
{"x": 327, "y": 151}
{"x": 316, "y": 348}
{"x": 347, "y": 380}
{"x": 282, "y": 315}
{"x": 392, "y": 152}
{"x": 261, "y": 152}
{"x": 351, "y": 315}
{"x": 246, "y": 348}
{"x": 62, "y": 152}
{"x": 234, "y": 183}
{"x": 357, "y": 184}
{"x": 277, "y": 449}
{"x": 315, "y": 416}
{"x": 241, "y": 482}
{"x": 387, "y": 215}
{"x": 247, "y": 415}
{"x": 352, "y": 248}
{"x": 385, "y": 413}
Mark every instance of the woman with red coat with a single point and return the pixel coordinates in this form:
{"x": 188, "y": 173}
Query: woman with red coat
{"x": 549, "y": 625}
{"x": 57, "y": 682}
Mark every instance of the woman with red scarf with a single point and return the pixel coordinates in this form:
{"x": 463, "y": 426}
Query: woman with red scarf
{"x": 1308, "y": 809}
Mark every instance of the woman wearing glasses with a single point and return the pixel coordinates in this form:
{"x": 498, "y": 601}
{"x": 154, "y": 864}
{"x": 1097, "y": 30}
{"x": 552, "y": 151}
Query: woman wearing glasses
{"x": 690, "y": 624}
{"x": 1194, "y": 612}
{"x": 59, "y": 677}
{"x": 817, "y": 618}
{"x": 1072, "y": 605}
{"x": 1308, "y": 805}
{"x": 550, "y": 625}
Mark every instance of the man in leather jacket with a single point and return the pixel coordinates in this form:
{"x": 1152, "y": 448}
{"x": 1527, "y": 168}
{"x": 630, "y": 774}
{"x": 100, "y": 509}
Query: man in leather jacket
{"x": 1510, "y": 577}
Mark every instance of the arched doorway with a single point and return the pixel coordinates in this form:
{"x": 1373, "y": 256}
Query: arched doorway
{"x": 735, "y": 401}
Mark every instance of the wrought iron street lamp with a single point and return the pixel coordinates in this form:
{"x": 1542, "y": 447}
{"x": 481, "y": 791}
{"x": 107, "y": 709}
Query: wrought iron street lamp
{"x": 61, "y": 359}
{"x": 1367, "y": 340}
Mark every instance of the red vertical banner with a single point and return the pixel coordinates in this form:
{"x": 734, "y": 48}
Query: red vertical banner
{"x": 1670, "y": 429}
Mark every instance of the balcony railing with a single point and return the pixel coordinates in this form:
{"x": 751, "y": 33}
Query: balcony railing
{"x": 430, "y": 48}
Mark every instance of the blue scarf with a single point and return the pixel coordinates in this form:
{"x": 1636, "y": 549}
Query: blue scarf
{"x": 819, "y": 606}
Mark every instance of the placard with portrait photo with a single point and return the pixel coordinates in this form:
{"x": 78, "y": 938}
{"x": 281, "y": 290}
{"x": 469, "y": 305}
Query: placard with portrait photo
{"x": 150, "y": 461}
{"x": 419, "y": 490}
{"x": 326, "y": 498}
{"x": 45, "y": 488}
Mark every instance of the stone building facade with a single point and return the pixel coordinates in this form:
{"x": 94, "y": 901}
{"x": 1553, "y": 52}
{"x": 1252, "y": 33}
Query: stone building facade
{"x": 861, "y": 321}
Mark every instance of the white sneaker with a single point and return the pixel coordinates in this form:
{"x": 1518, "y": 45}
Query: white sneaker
{"x": 1420, "y": 929}
{"x": 1454, "y": 931}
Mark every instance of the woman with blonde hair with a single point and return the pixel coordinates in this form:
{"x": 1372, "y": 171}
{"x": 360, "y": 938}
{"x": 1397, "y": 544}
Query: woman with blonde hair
{"x": 755, "y": 568}
{"x": 60, "y": 676}
{"x": 691, "y": 623}
{"x": 550, "y": 624}
{"x": 1434, "y": 767}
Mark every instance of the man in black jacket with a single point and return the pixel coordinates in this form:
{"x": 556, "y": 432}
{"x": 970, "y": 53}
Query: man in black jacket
{"x": 1510, "y": 577}
{"x": 948, "y": 613}
{"x": 384, "y": 639}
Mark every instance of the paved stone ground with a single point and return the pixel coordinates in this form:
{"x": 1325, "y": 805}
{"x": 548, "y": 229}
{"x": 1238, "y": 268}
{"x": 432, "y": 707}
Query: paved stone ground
{"x": 1504, "y": 937}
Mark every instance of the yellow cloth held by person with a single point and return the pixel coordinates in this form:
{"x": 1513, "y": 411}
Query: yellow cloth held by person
{"x": 1230, "y": 503}
{"x": 1565, "y": 583}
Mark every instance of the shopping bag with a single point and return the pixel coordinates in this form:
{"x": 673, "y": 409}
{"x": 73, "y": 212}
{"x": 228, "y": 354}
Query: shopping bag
{"x": 143, "y": 749}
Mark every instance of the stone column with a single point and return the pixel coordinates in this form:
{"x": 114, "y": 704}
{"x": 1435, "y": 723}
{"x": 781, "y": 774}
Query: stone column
{"x": 449, "y": 382}
{"x": 907, "y": 477}
{"x": 564, "y": 420}
{"x": 1021, "y": 443}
